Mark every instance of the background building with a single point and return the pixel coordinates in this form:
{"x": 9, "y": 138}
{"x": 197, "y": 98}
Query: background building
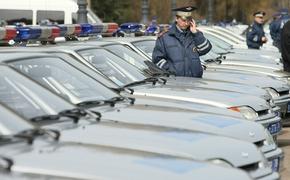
{"x": 222, "y": 10}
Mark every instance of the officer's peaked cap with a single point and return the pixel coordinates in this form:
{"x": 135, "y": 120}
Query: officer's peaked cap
{"x": 184, "y": 12}
{"x": 259, "y": 14}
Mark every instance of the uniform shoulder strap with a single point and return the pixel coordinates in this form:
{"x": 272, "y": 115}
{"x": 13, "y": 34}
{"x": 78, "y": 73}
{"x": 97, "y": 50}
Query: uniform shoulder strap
{"x": 162, "y": 33}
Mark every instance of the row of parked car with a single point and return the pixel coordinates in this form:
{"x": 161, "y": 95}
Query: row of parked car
{"x": 100, "y": 109}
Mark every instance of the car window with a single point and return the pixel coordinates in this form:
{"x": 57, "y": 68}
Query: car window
{"x": 228, "y": 37}
{"x": 52, "y": 16}
{"x": 133, "y": 58}
{"x": 118, "y": 70}
{"x": 12, "y": 16}
{"x": 64, "y": 79}
{"x": 145, "y": 46}
{"x": 10, "y": 123}
{"x": 27, "y": 98}
{"x": 128, "y": 55}
{"x": 218, "y": 42}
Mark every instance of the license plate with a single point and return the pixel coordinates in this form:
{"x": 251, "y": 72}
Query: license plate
{"x": 274, "y": 128}
{"x": 288, "y": 108}
{"x": 275, "y": 164}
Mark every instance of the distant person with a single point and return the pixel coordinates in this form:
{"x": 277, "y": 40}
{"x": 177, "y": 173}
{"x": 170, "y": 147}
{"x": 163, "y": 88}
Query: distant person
{"x": 178, "y": 49}
{"x": 274, "y": 30}
{"x": 277, "y": 25}
{"x": 256, "y": 35}
{"x": 285, "y": 46}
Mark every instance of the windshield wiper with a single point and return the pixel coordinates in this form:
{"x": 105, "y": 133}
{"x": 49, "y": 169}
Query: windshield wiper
{"x": 217, "y": 61}
{"x": 114, "y": 100}
{"x": 90, "y": 103}
{"x": 6, "y": 163}
{"x": 120, "y": 89}
{"x": 31, "y": 134}
{"x": 75, "y": 114}
{"x": 150, "y": 79}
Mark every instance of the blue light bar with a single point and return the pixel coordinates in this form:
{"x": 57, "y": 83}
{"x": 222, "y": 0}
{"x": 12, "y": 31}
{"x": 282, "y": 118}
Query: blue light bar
{"x": 152, "y": 30}
{"x": 131, "y": 27}
{"x": 27, "y": 33}
{"x": 97, "y": 28}
{"x": 86, "y": 29}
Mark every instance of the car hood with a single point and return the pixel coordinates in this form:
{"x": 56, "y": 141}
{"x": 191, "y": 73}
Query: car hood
{"x": 215, "y": 98}
{"x": 183, "y": 106}
{"x": 165, "y": 141}
{"x": 252, "y": 58}
{"x": 154, "y": 115}
{"x": 252, "y": 64}
{"x": 255, "y": 70}
{"x": 243, "y": 77}
{"x": 266, "y": 53}
{"x": 199, "y": 83}
{"x": 97, "y": 162}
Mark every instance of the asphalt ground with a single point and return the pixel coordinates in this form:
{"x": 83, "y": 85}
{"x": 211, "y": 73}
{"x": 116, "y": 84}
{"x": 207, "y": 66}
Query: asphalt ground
{"x": 284, "y": 143}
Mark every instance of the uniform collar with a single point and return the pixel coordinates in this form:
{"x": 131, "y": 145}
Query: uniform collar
{"x": 257, "y": 24}
{"x": 175, "y": 30}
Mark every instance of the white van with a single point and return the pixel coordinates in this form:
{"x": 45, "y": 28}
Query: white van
{"x": 31, "y": 12}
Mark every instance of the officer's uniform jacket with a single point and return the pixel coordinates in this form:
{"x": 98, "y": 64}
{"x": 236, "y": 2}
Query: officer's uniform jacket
{"x": 276, "y": 29}
{"x": 254, "y": 36}
{"x": 178, "y": 51}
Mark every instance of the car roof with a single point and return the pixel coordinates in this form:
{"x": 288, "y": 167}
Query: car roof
{"x": 130, "y": 39}
{"x": 9, "y": 56}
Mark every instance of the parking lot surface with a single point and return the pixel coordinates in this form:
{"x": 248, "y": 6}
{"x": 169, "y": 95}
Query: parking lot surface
{"x": 284, "y": 142}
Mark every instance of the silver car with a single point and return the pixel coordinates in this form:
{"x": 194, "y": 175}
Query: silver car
{"x": 278, "y": 90}
{"x": 222, "y": 99}
{"x": 48, "y": 159}
{"x": 175, "y": 142}
{"x": 199, "y": 123}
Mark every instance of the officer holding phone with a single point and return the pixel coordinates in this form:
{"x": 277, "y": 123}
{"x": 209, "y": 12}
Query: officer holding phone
{"x": 178, "y": 49}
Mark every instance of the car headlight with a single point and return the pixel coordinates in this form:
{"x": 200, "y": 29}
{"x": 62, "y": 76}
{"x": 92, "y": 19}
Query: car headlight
{"x": 247, "y": 112}
{"x": 264, "y": 163}
{"x": 272, "y": 92}
{"x": 220, "y": 163}
{"x": 269, "y": 139}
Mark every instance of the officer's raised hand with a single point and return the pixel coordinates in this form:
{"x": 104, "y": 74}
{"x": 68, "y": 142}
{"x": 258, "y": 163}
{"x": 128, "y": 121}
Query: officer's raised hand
{"x": 264, "y": 39}
{"x": 193, "y": 26}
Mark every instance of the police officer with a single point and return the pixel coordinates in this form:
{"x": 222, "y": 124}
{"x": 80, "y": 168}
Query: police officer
{"x": 277, "y": 25}
{"x": 285, "y": 46}
{"x": 256, "y": 35}
{"x": 179, "y": 48}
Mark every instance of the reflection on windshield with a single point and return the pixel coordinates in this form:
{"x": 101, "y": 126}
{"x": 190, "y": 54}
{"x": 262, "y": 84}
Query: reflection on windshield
{"x": 64, "y": 79}
{"x": 135, "y": 59}
{"x": 115, "y": 68}
{"x": 128, "y": 55}
{"x": 26, "y": 98}
{"x": 146, "y": 46}
{"x": 218, "y": 42}
{"x": 12, "y": 123}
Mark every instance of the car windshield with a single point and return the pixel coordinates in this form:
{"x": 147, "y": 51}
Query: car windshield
{"x": 11, "y": 123}
{"x": 226, "y": 36}
{"x": 133, "y": 58}
{"x": 145, "y": 46}
{"x": 27, "y": 98}
{"x": 114, "y": 67}
{"x": 64, "y": 79}
{"x": 129, "y": 55}
{"x": 218, "y": 42}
